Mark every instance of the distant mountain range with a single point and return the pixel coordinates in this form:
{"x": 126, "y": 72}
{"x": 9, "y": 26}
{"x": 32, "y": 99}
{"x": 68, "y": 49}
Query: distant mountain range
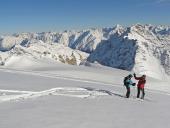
{"x": 141, "y": 48}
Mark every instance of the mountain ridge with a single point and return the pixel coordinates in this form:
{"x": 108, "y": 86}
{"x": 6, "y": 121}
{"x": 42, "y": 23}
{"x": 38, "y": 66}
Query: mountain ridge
{"x": 133, "y": 48}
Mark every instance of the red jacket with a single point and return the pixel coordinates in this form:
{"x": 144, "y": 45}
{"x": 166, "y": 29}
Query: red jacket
{"x": 141, "y": 82}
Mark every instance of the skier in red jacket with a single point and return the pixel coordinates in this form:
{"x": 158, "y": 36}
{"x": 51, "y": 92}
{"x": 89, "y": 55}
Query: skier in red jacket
{"x": 140, "y": 85}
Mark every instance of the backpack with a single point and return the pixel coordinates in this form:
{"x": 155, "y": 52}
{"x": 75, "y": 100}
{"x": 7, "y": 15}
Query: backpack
{"x": 125, "y": 81}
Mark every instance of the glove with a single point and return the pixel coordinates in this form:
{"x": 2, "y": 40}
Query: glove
{"x": 133, "y": 84}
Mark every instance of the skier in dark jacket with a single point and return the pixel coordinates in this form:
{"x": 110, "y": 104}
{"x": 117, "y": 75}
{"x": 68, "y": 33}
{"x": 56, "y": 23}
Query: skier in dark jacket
{"x": 127, "y": 83}
{"x": 141, "y": 85}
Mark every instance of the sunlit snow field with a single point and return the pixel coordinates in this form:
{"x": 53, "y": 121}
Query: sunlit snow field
{"x": 48, "y": 95}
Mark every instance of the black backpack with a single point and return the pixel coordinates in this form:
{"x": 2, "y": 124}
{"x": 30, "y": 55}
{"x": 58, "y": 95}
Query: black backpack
{"x": 125, "y": 81}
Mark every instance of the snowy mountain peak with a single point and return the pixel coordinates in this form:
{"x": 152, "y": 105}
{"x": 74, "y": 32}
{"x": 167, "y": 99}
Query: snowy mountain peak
{"x": 130, "y": 48}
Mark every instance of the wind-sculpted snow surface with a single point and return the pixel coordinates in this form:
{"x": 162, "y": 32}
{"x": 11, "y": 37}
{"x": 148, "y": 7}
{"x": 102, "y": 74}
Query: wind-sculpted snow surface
{"x": 130, "y": 48}
{"x": 16, "y": 95}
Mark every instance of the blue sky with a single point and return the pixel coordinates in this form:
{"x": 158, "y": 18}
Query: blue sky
{"x": 58, "y": 15}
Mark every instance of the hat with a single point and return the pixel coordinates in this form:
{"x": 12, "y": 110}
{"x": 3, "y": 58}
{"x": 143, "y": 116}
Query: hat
{"x": 130, "y": 75}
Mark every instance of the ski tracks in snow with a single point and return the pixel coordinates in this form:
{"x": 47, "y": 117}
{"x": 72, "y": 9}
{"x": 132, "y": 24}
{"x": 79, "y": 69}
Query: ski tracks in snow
{"x": 72, "y": 78}
{"x": 16, "y": 95}
{"x": 79, "y": 92}
{"x": 87, "y": 92}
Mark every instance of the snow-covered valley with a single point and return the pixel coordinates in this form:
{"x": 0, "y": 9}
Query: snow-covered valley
{"x": 69, "y": 96}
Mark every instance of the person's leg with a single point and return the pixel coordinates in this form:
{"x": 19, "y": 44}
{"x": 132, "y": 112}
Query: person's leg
{"x": 143, "y": 93}
{"x": 138, "y": 94}
{"x": 128, "y": 91}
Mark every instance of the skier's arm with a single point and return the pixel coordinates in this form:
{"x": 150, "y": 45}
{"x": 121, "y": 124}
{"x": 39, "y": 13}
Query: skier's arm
{"x": 137, "y": 78}
{"x": 131, "y": 83}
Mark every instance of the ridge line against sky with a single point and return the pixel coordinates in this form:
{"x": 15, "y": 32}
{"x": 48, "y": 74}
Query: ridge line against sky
{"x": 58, "y": 15}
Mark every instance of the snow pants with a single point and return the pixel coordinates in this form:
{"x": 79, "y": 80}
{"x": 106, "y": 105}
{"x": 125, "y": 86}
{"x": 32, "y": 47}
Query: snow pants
{"x": 128, "y": 91}
{"x": 143, "y": 92}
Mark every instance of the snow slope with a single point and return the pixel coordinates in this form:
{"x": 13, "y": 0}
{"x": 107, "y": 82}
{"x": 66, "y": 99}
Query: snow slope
{"x": 77, "y": 97}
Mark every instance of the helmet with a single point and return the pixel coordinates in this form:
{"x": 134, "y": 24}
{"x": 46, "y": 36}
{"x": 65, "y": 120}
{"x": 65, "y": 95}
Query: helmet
{"x": 144, "y": 76}
{"x": 130, "y": 75}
